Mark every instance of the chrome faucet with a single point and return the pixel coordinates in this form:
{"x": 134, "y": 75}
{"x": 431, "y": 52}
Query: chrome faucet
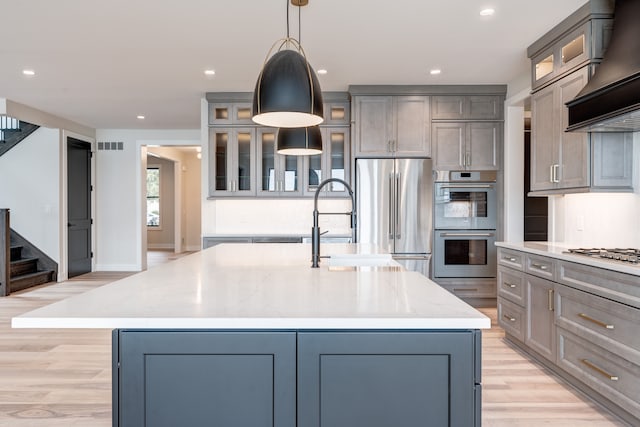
{"x": 315, "y": 231}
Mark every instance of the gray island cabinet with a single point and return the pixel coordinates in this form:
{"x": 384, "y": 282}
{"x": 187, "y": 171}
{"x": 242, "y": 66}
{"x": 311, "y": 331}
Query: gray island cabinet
{"x": 250, "y": 335}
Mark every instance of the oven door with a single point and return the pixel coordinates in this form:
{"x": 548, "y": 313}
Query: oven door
{"x": 465, "y": 253}
{"x": 465, "y": 206}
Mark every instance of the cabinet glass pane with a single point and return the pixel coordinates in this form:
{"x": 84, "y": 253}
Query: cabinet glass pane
{"x": 268, "y": 161}
{"x": 243, "y": 113}
{"x": 573, "y": 49}
{"x": 221, "y": 113}
{"x": 544, "y": 67}
{"x": 290, "y": 173}
{"x": 337, "y": 159}
{"x": 337, "y": 113}
{"x": 315, "y": 171}
{"x": 244, "y": 161}
{"x": 222, "y": 146}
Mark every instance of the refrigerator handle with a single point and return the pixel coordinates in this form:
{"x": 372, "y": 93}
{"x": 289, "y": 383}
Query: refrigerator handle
{"x": 398, "y": 206}
{"x": 391, "y": 200}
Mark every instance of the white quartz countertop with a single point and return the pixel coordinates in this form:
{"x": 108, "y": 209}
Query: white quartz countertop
{"x": 262, "y": 286}
{"x": 559, "y": 251}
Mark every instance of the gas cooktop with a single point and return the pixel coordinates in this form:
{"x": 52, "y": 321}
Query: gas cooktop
{"x": 618, "y": 254}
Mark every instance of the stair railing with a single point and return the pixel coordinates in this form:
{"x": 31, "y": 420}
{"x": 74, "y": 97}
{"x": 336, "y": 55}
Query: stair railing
{"x": 5, "y": 253}
{"x": 8, "y": 123}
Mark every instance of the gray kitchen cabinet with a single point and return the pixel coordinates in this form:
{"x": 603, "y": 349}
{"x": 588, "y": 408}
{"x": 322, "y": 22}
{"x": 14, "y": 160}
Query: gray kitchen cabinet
{"x": 278, "y": 175}
{"x": 232, "y": 162}
{"x": 198, "y": 378}
{"x": 466, "y": 107}
{"x": 540, "y": 331}
{"x": 381, "y": 379}
{"x": 332, "y": 163}
{"x": 296, "y": 378}
{"x": 230, "y": 113}
{"x": 391, "y": 126}
{"x": 466, "y": 145}
{"x": 562, "y": 62}
{"x": 580, "y": 320}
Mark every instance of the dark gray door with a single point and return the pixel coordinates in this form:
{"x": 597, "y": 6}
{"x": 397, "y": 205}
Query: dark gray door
{"x": 205, "y": 378}
{"x": 78, "y": 206}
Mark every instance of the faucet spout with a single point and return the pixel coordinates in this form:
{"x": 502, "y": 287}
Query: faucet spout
{"x": 315, "y": 231}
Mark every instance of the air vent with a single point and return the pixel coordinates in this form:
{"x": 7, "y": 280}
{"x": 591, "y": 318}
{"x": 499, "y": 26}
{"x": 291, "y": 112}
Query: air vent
{"x": 111, "y": 146}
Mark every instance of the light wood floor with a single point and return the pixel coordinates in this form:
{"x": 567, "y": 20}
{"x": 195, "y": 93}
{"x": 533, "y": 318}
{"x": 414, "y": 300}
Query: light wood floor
{"x": 51, "y": 378}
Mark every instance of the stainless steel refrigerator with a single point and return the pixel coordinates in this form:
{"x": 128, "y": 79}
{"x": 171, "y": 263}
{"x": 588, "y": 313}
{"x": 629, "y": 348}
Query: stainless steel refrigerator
{"x": 394, "y": 205}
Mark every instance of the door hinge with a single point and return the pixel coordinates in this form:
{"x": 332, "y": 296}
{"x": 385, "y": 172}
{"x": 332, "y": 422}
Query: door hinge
{"x": 91, "y": 154}
{"x": 91, "y": 188}
{"x": 91, "y": 221}
{"x": 91, "y": 254}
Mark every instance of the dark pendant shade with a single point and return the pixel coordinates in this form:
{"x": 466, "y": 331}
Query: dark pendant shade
{"x": 287, "y": 93}
{"x": 299, "y": 141}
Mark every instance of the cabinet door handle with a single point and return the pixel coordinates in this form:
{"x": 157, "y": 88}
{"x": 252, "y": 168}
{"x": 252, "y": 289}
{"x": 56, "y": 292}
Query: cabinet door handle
{"x": 509, "y": 318}
{"x": 390, "y": 146}
{"x": 599, "y": 370}
{"x": 551, "y": 173}
{"x": 550, "y": 299}
{"x": 539, "y": 266}
{"x": 597, "y": 322}
{"x": 556, "y": 169}
{"x": 509, "y": 258}
{"x": 511, "y": 285}
{"x": 467, "y": 159}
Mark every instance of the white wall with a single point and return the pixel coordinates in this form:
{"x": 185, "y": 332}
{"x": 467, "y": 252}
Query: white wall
{"x": 120, "y": 226}
{"x": 599, "y": 219}
{"x": 30, "y": 174}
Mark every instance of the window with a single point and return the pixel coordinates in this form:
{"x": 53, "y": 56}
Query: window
{"x": 153, "y": 196}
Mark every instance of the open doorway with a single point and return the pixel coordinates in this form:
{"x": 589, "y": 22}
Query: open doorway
{"x": 535, "y": 208}
{"x": 171, "y": 201}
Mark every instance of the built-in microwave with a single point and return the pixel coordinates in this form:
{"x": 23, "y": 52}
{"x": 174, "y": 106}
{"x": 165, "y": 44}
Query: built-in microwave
{"x": 464, "y": 253}
{"x": 465, "y": 200}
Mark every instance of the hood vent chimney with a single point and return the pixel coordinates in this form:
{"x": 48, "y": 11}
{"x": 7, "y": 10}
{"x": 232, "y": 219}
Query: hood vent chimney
{"x": 610, "y": 102}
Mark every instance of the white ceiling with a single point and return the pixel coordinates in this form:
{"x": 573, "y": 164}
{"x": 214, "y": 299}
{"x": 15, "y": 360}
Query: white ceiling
{"x": 101, "y": 63}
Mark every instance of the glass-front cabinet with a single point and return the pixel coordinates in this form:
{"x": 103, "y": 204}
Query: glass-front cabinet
{"x": 231, "y": 162}
{"x": 332, "y": 163}
{"x": 278, "y": 175}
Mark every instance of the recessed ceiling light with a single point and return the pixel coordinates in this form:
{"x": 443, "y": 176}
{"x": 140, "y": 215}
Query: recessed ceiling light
{"x": 140, "y": 117}
{"x": 487, "y": 12}
{"x": 209, "y": 72}
{"x": 28, "y": 72}
{"x": 322, "y": 71}
{"x": 435, "y": 71}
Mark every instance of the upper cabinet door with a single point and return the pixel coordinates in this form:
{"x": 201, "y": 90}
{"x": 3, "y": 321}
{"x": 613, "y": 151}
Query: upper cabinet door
{"x": 449, "y": 145}
{"x": 411, "y": 126}
{"x": 482, "y": 146}
{"x": 231, "y": 162}
{"x": 227, "y": 113}
{"x": 373, "y": 126}
{"x": 459, "y": 107}
{"x": 279, "y": 175}
{"x": 332, "y": 163}
{"x": 543, "y": 139}
{"x": 392, "y": 126}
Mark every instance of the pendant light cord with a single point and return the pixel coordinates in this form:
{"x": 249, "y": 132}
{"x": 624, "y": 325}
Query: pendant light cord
{"x": 287, "y": 3}
{"x": 299, "y": 26}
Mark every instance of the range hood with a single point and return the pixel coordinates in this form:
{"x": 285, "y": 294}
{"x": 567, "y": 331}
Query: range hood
{"x": 610, "y": 102}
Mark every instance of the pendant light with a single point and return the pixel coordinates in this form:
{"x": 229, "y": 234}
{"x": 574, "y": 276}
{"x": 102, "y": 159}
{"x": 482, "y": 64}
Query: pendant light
{"x": 299, "y": 141}
{"x": 287, "y": 93}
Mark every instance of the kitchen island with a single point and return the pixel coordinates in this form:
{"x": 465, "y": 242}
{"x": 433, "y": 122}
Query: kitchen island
{"x": 244, "y": 335}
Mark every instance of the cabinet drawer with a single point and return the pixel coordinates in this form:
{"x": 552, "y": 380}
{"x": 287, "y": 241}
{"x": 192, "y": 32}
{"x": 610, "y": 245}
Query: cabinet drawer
{"x": 472, "y": 290}
{"x": 601, "y": 321}
{"x": 540, "y": 266}
{"x": 607, "y": 373}
{"x": 511, "y": 318}
{"x": 511, "y": 258}
{"x": 511, "y": 285}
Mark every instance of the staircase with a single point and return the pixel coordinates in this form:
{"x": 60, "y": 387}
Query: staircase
{"x": 25, "y": 272}
{"x": 22, "y": 265}
{"x": 12, "y": 131}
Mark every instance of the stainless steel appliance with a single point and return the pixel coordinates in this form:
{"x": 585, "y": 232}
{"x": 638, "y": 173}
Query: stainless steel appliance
{"x": 465, "y": 200}
{"x": 394, "y": 205}
{"x": 465, "y": 213}
{"x": 617, "y": 254}
{"x": 465, "y": 253}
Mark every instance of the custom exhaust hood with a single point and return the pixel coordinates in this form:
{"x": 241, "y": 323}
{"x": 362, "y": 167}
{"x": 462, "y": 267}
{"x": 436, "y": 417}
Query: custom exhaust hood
{"x": 610, "y": 102}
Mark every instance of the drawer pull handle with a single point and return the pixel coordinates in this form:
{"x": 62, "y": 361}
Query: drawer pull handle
{"x": 511, "y": 285}
{"x": 597, "y": 322}
{"x": 509, "y": 318}
{"x": 599, "y": 370}
{"x": 539, "y": 266}
{"x": 509, "y": 258}
{"x": 550, "y": 299}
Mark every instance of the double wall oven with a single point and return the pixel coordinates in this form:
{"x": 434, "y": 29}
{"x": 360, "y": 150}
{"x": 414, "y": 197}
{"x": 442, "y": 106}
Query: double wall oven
{"x": 465, "y": 224}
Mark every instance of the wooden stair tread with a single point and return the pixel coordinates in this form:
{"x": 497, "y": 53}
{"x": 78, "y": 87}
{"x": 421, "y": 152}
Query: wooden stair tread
{"x": 23, "y": 281}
